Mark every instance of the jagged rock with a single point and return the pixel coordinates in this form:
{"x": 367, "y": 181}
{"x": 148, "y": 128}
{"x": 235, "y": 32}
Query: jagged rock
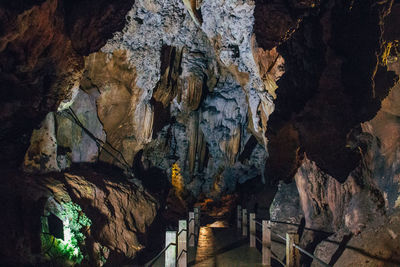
{"x": 193, "y": 7}
{"x": 61, "y": 140}
{"x": 41, "y": 155}
{"x": 205, "y": 87}
{"x": 41, "y": 48}
{"x": 127, "y": 120}
{"x": 322, "y": 87}
{"x": 120, "y": 213}
{"x": 208, "y": 80}
{"x": 70, "y": 136}
{"x": 224, "y": 120}
{"x": 376, "y": 245}
{"x": 286, "y": 205}
{"x": 382, "y": 155}
{"x": 329, "y": 205}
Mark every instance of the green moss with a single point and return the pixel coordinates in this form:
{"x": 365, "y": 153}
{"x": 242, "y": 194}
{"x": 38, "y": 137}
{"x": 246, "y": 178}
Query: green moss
{"x": 60, "y": 252}
{"x": 68, "y": 250}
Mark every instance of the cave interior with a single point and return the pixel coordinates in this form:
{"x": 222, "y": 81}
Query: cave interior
{"x": 119, "y": 118}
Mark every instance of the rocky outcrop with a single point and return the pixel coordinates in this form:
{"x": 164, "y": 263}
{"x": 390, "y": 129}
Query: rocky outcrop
{"x": 127, "y": 121}
{"x": 42, "y": 44}
{"x": 74, "y": 134}
{"x": 182, "y": 87}
{"x": 376, "y": 245}
{"x": 41, "y": 155}
{"x": 211, "y": 97}
{"x": 367, "y": 196}
{"x": 286, "y": 205}
{"x": 328, "y": 98}
{"x": 120, "y": 212}
{"x": 329, "y": 205}
{"x": 79, "y": 130}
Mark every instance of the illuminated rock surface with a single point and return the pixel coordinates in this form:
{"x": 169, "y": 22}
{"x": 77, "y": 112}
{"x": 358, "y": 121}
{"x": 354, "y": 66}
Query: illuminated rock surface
{"x": 120, "y": 211}
{"x": 289, "y": 108}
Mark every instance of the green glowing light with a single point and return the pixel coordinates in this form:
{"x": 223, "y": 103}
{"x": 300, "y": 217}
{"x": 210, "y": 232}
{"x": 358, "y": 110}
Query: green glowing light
{"x": 74, "y": 223}
{"x": 67, "y": 231}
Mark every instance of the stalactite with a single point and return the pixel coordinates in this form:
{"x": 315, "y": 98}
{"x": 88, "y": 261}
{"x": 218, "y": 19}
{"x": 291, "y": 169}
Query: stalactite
{"x": 201, "y": 151}
{"x": 193, "y": 7}
{"x": 231, "y": 146}
{"x": 168, "y": 86}
{"x": 194, "y": 91}
{"x": 193, "y": 140}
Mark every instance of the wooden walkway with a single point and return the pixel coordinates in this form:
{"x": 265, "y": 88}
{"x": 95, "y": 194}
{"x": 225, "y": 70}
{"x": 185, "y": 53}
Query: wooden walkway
{"x": 222, "y": 247}
{"x": 219, "y": 246}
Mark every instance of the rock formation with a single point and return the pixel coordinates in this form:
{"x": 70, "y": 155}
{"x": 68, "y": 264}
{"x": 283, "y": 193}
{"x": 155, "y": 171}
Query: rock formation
{"x": 120, "y": 211}
{"x": 239, "y": 100}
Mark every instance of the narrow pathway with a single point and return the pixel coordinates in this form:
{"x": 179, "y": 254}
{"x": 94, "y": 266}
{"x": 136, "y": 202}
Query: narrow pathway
{"x": 224, "y": 247}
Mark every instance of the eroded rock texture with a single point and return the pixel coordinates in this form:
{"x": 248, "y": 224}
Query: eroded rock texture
{"x": 120, "y": 211}
{"x": 179, "y": 88}
{"x": 235, "y": 96}
{"x": 327, "y": 92}
{"x": 42, "y": 44}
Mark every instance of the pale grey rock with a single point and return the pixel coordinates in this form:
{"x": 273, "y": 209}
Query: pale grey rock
{"x": 286, "y": 204}
{"x": 70, "y": 136}
{"x": 223, "y": 41}
{"x": 41, "y": 155}
{"x": 224, "y": 110}
{"x": 232, "y": 23}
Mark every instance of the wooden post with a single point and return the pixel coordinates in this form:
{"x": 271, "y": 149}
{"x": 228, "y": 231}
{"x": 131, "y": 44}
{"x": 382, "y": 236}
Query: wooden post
{"x": 170, "y": 253}
{"x": 196, "y": 220}
{"x": 239, "y": 216}
{"x": 191, "y": 229}
{"x": 244, "y": 220}
{"x": 266, "y": 243}
{"x": 182, "y": 245}
{"x": 252, "y": 222}
{"x": 292, "y": 253}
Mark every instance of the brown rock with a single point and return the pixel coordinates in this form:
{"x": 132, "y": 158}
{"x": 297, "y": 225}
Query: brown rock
{"x": 41, "y": 48}
{"x": 120, "y": 211}
{"x": 127, "y": 121}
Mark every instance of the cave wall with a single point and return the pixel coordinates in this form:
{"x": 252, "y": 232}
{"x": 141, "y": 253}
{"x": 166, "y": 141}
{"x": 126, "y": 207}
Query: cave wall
{"x": 359, "y": 200}
{"x": 211, "y": 83}
{"x": 121, "y": 212}
{"x": 336, "y": 77}
{"x": 239, "y": 94}
{"x": 42, "y": 44}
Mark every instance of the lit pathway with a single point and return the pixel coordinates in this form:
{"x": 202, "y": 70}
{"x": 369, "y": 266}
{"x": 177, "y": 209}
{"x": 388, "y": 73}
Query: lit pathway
{"x": 220, "y": 247}
{"x": 223, "y": 247}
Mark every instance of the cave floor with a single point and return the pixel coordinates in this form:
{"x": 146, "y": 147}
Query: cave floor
{"x": 224, "y": 247}
{"x": 221, "y": 247}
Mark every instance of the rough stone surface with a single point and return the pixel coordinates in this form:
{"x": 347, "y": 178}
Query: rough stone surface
{"x": 329, "y": 205}
{"x": 41, "y": 49}
{"x": 286, "y": 205}
{"x": 237, "y": 95}
{"x": 120, "y": 213}
{"x": 72, "y": 137}
{"x": 61, "y": 141}
{"x": 41, "y": 155}
{"x": 208, "y": 81}
{"x": 331, "y": 86}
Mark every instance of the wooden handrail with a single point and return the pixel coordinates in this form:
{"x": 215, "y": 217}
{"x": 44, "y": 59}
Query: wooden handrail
{"x": 291, "y": 239}
{"x": 180, "y": 238}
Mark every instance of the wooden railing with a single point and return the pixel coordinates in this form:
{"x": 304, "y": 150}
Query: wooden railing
{"x": 292, "y": 240}
{"x": 176, "y": 250}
